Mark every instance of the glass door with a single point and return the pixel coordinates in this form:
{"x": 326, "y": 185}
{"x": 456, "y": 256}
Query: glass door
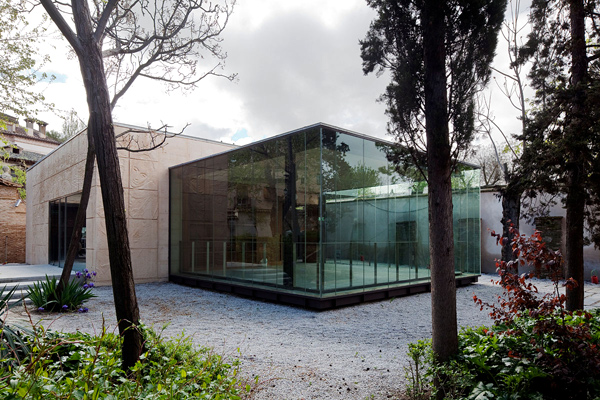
{"x": 62, "y": 221}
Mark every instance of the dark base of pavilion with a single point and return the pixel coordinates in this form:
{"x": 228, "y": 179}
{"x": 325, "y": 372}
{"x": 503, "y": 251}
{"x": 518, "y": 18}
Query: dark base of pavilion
{"x": 311, "y": 302}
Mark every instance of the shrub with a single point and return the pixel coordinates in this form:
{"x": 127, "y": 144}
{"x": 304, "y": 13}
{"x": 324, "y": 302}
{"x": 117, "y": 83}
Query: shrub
{"x": 13, "y": 345}
{"x": 45, "y": 297}
{"x": 535, "y": 350}
{"x": 82, "y": 366}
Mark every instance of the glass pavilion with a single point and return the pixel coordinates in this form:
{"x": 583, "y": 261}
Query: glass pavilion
{"x": 315, "y": 217}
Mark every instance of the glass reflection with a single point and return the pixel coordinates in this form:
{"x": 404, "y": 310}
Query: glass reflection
{"x": 318, "y": 212}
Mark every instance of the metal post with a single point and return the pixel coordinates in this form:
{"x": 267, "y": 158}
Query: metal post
{"x": 375, "y": 260}
{"x": 224, "y": 258}
{"x": 207, "y": 257}
{"x": 193, "y": 256}
{"x": 243, "y": 260}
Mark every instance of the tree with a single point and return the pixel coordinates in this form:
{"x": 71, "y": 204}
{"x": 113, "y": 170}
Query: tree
{"x": 162, "y": 40}
{"x": 71, "y": 126}
{"x": 513, "y": 88}
{"x": 491, "y": 160}
{"x": 562, "y": 134}
{"x": 439, "y": 55}
{"x": 19, "y": 69}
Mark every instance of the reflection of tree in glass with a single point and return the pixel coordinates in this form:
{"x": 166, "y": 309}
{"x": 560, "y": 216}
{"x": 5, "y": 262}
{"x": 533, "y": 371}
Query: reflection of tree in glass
{"x": 267, "y": 174}
{"x": 361, "y": 177}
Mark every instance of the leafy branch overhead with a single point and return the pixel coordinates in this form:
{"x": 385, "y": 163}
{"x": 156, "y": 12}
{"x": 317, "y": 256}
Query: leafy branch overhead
{"x": 394, "y": 43}
{"x": 19, "y": 69}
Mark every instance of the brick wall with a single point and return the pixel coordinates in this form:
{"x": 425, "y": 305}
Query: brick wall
{"x": 12, "y": 226}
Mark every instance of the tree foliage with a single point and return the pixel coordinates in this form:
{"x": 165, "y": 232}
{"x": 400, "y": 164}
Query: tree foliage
{"x": 394, "y": 43}
{"x": 438, "y": 55}
{"x": 549, "y": 136}
{"x": 161, "y": 40}
{"x": 19, "y": 71}
{"x": 562, "y": 134}
{"x": 71, "y": 126}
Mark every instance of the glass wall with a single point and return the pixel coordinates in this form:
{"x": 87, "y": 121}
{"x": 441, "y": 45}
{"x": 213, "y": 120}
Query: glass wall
{"x": 317, "y": 212}
{"x": 62, "y": 221}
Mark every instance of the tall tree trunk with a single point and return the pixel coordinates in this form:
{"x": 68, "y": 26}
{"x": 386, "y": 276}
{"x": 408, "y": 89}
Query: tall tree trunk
{"x": 79, "y": 218}
{"x": 575, "y": 202}
{"x": 511, "y": 213}
{"x": 101, "y": 128}
{"x": 439, "y": 163}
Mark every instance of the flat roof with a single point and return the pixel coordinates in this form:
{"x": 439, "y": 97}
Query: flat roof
{"x": 317, "y": 125}
{"x": 137, "y": 128}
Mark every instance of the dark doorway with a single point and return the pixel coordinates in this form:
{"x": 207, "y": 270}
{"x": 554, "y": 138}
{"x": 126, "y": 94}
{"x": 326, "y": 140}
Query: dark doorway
{"x": 62, "y": 219}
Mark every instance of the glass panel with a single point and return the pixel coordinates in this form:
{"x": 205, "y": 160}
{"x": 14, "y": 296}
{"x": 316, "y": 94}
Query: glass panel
{"x": 467, "y": 242}
{"x": 176, "y": 215}
{"x": 54, "y": 232}
{"x": 62, "y": 219}
{"x": 316, "y": 212}
{"x": 72, "y": 206}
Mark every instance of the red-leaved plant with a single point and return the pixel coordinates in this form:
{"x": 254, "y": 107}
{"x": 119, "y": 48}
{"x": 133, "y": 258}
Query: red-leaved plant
{"x": 519, "y": 293}
{"x": 559, "y": 341}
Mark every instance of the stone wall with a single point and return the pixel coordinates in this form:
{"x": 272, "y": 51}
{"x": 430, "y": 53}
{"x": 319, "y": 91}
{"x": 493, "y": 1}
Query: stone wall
{"x": 12, "y": 226}
{"x": 553, "y": 228}
{"x": 146, "y": 189}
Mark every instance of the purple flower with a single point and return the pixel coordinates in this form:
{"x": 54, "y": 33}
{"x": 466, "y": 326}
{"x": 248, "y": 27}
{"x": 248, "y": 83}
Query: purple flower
{"x": 80, "y": 310}
{"x": 78, "y": 274}
{"x": 65, "y": 307}
{"x": 94, "y": 273}
{"x": 85, "y": 309}
{"x": 91, "y": 284}
{"x": 86, "y": 270}
{"x": 41, "y": 309}
{"x": 86, "y": 286}
{"x": 88, "y": 276}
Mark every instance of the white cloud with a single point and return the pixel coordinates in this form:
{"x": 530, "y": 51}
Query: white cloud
{"x": 298, "y": 63}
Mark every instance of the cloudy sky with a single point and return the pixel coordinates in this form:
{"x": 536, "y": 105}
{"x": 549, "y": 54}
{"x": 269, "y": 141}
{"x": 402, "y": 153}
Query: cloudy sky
{"x": 298, "y": 63}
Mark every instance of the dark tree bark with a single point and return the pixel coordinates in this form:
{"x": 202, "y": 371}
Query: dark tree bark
{"x": 151, "y": 54}
{"x": 79, "y": 218}
{"x": 511, "y": 213}
{"x": 87, "y": 46}
{"x": 101, "y": 128}
{"x": 439, "y": 167}
{"x": 575, "y": 202}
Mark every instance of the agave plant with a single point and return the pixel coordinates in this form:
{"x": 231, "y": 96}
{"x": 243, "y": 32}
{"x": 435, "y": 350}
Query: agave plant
{"x": 13, "y": 337}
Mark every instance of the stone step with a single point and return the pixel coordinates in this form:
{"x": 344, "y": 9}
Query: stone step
{"x": 26, "y": 279}
{"x": 21, "y": 290}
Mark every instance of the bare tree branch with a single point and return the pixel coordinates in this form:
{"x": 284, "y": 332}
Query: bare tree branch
{"x": 101, "y": 25}
{"x": 136, "y": 140}
{"x": 62, "y": 25}
{"x": 165, "y": 40}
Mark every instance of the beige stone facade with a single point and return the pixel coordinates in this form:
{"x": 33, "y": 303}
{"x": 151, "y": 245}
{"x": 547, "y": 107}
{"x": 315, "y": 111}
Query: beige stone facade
{"x": 145, "y": 178}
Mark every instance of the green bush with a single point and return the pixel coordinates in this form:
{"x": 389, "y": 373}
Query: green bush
{"x": 535, "y": 350}
{"x": 82, "y": 366}
{"x": 515, "y": 361}
{"x": 44, "y": 295}
{"x": 13, "y": 345}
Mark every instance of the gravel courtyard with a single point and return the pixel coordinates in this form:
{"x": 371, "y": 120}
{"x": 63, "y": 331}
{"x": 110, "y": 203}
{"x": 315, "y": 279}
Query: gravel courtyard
{"x": 350, "y": 353}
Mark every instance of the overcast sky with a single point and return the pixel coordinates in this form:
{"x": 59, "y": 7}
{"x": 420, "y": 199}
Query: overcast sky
{"x": 298, "y": 63}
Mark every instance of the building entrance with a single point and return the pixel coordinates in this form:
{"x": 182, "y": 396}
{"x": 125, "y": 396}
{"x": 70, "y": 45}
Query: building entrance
{"x": 62, "y": 220}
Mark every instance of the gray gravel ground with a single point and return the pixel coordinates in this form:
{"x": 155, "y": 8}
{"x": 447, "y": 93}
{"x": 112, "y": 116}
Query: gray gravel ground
{"x": 356, "y": 352}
